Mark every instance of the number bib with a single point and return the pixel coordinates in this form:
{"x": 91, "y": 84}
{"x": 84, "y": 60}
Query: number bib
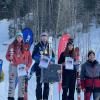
{"x": 21, "y": 70}
{"x": 44, "y": 62}
{"x": 69, "y": 63}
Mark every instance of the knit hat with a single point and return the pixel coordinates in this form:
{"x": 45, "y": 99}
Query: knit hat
{"x": 44, "y": 34}
{"x": 70, "y": 42}
{"x": 91, "y": 52}
{"x": 19, "y": 34}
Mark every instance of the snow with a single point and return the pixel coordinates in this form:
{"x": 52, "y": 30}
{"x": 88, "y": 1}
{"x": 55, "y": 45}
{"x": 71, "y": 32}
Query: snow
{"x": 4, "y": 24}
{"x": 89, "y": 41}
{"x": 4, "y": 41}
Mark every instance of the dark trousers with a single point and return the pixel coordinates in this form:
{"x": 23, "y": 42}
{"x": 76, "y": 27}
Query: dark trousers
{"x": 68, "y": 84}
{"x": 39, "y": 89}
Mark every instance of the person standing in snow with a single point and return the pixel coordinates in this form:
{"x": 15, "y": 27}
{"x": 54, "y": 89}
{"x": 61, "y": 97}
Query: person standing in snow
{"x": 42, "y": 48}
{"x": 90, "y": 77}
{"x": 17, "y": 53}
{"x": 69, "y": 72}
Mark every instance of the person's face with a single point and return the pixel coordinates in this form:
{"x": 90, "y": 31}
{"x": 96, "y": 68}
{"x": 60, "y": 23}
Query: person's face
{"x": 44, "y": 38}
{"x": 91, "y": 57}
{"x": 70, "y": 47}
{"x": 19, "y": 39}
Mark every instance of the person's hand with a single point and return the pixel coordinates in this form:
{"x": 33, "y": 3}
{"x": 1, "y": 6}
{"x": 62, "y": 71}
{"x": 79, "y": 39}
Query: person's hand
{"x": 26, "y": 69}
{"x": 63, "y": 64}
{"x": 59, "y": 71}
{"x": 84, "y": 90}
{"x": 51, "y": 62}
{"x": 11, "y": 58}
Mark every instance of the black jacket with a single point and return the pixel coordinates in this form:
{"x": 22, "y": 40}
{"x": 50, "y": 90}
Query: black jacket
{"x": 40, "y": 49}
{"x": 62, "y": 60}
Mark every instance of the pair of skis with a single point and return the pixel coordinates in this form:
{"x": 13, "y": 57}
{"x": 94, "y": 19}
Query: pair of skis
{"x": 78, "y": 88}
{"x": 50, "y": 53}
{"x": 78, "y": 82}
{"x": 26, "y": 88}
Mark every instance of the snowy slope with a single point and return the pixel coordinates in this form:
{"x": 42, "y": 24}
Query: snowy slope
{"x": 4, "y": 24}
{"x": 90, "y": 41}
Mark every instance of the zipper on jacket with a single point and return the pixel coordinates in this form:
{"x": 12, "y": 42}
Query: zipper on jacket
{"x": 93, "y": 76}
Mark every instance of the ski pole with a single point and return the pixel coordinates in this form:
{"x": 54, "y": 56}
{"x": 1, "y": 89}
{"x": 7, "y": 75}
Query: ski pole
{"x": 60, "y": 83}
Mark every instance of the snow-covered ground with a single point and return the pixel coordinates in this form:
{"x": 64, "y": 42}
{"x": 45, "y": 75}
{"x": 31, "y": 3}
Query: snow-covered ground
{"x": 94, "y": 41}
{"x": 4, "y": 24}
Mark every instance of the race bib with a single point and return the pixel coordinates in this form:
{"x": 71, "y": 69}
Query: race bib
{"x": 21, "y": 70}
{"x": 69, "y": 63}
{"x": 44, "y": 62}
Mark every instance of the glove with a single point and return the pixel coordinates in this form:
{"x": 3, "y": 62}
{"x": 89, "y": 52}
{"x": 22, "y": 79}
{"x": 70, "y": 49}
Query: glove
{"x": 26, "y": 68}
{"x": 1, "y": 76}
